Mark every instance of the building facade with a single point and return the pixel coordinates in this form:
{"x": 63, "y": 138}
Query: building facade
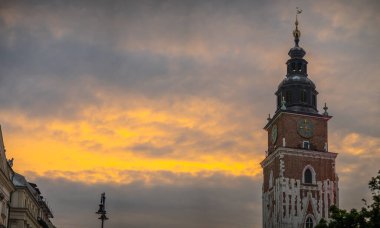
{"x": 21, "y": 202}
{"x": 28, "y": 207}
{"x": 300, "y": 182}
{"x": 6, "y": 185}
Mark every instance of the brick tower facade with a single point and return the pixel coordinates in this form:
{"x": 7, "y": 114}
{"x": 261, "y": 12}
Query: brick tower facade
{"x": 300, "y": 182}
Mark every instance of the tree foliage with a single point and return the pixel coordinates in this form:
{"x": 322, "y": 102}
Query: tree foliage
{"x": 368, "y": 216}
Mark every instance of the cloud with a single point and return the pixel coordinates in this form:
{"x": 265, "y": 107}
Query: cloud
{"x": 126, "y": 93}
{"x": 187, "y": 201}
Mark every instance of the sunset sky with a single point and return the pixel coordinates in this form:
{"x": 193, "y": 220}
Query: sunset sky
{"x": 162, "y": 104}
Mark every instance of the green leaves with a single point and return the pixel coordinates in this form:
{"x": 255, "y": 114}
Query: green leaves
{"x": 367, "y": 217}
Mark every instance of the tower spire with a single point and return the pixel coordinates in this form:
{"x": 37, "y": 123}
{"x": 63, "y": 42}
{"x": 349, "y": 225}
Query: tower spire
{"x": 296, "y": 32}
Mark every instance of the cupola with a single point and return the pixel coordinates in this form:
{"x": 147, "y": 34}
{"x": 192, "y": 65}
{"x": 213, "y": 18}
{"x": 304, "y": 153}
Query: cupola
{"x": 298, "y": 91}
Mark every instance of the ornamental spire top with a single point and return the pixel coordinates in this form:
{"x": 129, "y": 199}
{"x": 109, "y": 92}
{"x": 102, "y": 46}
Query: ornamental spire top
{"x": 296, "y": 32}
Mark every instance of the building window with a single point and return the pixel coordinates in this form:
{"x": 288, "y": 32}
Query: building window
{"x": 306, "y": 145}
{"x": 279, "y": 101}
{"x": 299, "y": 67}
{"x": 288, "y": 97}
{"x": 309, "y": 223}
{"x": 303, "y": 96}
{"x": 308, "y": 177}
{"x": 314, "y": 100}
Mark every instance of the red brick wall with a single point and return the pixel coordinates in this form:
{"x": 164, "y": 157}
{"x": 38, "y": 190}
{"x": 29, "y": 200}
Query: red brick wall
{"x": 287, "y": 128}
{"x": 294, "y": 166}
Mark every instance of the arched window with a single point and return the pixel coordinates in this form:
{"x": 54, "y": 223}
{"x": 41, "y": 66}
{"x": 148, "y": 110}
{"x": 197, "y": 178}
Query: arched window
{"x": 308, "y": 177}
{"x": 309, "y": 223}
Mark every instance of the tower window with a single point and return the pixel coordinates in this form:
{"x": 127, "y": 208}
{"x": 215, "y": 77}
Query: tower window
{"x": 299, "y": 67}
{"x": 288, "y": 97}
{"x": 303, "y": 96}
{"x": 314, "y": 100}
{"x": 309, "y": 223}
{"x": 306, "y": 145}
{"x": 308, "y": 177}
{"x": 278, "y": 101}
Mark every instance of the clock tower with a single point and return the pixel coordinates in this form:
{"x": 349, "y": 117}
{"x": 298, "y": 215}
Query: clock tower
{"x": 300, "y": 182}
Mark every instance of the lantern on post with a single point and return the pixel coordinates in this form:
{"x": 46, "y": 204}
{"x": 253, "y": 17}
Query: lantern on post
{"x": 102, "y": 209}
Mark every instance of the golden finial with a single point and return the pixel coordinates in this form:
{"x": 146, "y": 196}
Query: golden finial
{"x": 296, "y": 32}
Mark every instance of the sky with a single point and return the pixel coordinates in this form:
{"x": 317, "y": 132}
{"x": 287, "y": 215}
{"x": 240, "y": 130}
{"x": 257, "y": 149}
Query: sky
{"x": 162, "y": 104}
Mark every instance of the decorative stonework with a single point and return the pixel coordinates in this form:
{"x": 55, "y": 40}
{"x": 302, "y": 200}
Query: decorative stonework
{"x": 290, "y": 202}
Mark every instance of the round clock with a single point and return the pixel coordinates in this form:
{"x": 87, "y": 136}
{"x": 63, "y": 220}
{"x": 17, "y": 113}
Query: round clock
{"x": 305, "y": 128}
{"x": 274, "y": 134}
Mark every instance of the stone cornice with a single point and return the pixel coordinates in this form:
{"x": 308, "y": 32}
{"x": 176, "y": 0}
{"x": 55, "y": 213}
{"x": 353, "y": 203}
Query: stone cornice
{"x": 297, "y": 152}
{"x": 278, "y": 114}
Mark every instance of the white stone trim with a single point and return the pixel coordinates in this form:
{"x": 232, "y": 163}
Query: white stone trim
{"x": 298, "y": 152}
{"x": 271, "y": 179}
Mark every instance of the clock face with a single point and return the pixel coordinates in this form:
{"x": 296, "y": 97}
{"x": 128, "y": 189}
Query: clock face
{"x": 274, "y": 134}
{"x": 305, "y": 128}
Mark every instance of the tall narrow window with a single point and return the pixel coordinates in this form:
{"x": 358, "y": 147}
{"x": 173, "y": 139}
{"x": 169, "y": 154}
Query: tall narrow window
{"x": 314, "y": 100}
{"x": 279, "y": 101}
{"x": 306, "y": 145}
{"x": 299, "y": 67}
{"x": 309, "y": 223}
{"x": 308, "y": 177}
{"x": 303, "y": 96}
{"x": 288, "y": 97}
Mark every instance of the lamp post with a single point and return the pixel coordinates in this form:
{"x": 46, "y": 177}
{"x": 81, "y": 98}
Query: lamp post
{"x": 102, "y": 209}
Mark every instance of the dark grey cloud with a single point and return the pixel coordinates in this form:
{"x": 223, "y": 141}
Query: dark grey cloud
{"x": 189, "y": 201}
{"x": 181, "y": 200}
{"x": 353, "y": 184}
{"x": 57, "y": 55}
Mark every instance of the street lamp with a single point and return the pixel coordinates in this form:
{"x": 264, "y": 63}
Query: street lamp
{"x": 102, "y": 208}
